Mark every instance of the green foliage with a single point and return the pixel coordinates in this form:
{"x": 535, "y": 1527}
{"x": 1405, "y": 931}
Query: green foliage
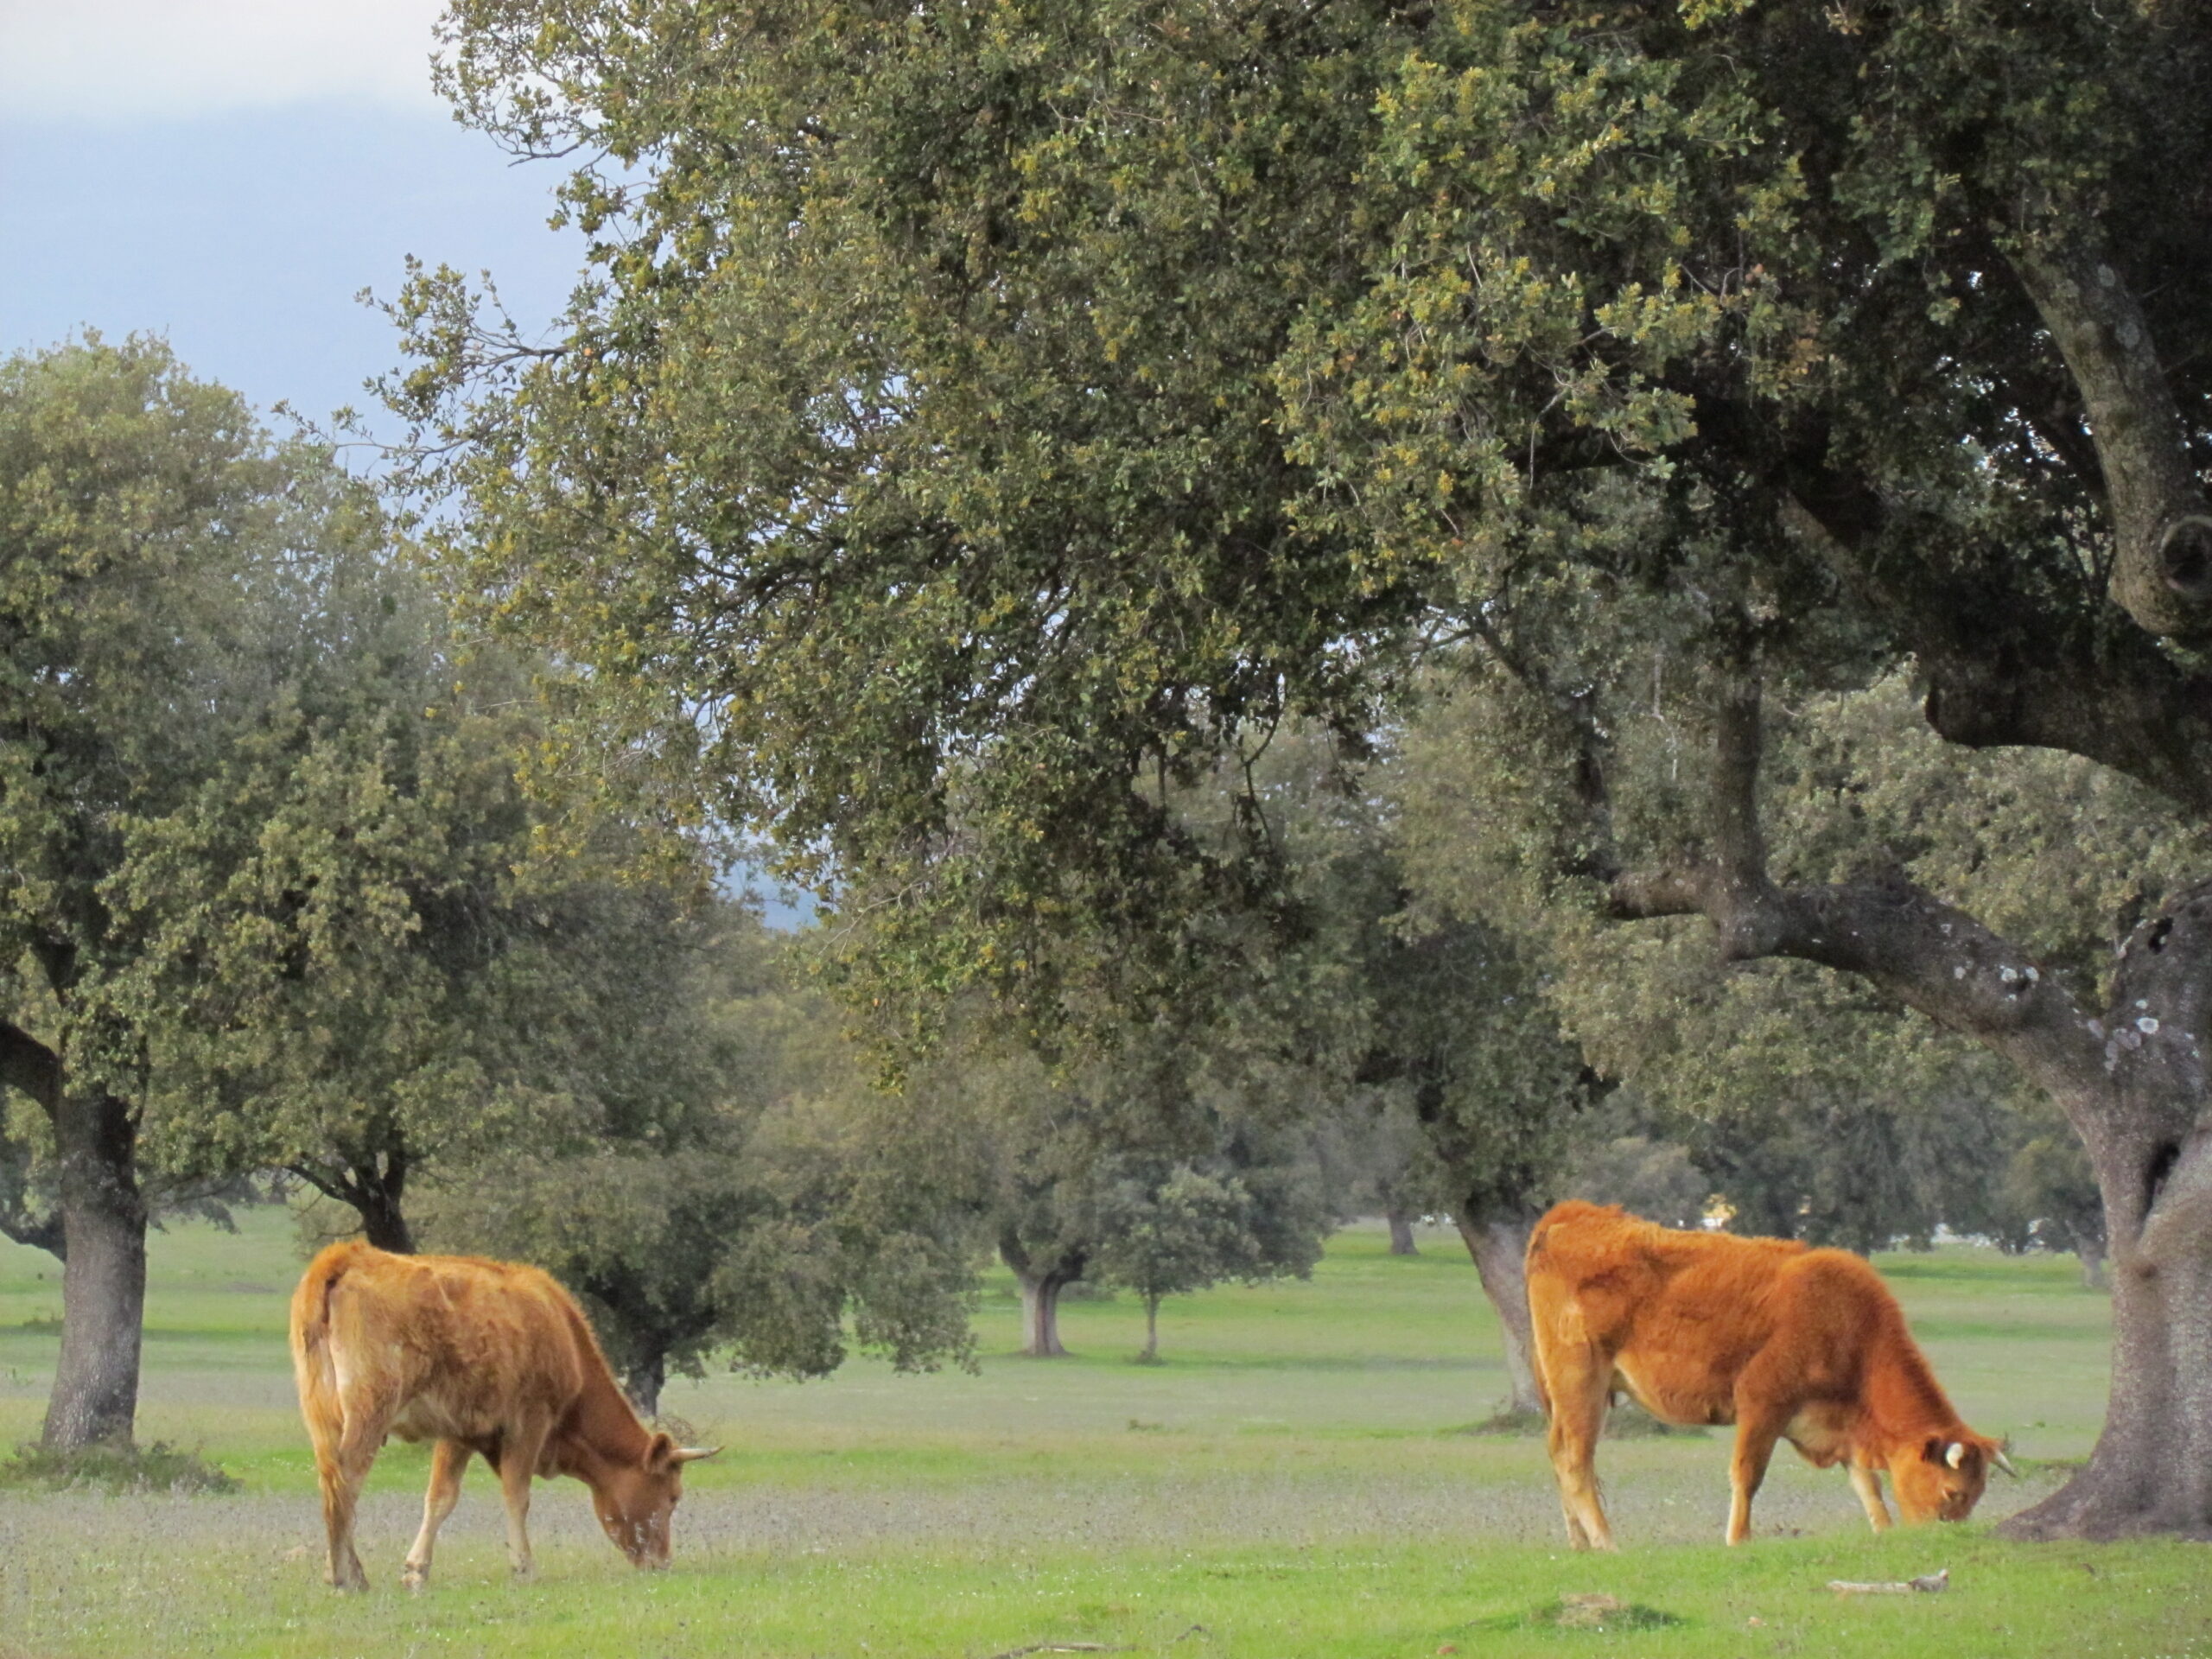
{"x": 1166, "y": 1232}
{"x": 987, "y": 420}
{"x": 788, "y": 1211}
{"x": 158, "y": 544}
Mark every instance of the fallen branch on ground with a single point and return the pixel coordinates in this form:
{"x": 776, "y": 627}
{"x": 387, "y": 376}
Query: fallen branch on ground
{"x": 1929, "y": 1581}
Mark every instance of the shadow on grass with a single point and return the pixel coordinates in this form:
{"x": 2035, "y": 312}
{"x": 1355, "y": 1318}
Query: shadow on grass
{"x": 1627, "y": 1421}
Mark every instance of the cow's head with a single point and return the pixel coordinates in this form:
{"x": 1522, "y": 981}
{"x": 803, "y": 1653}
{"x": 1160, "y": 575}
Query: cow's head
{"x": 636, "y": 1502}
{"x": 1941, "y": 1478}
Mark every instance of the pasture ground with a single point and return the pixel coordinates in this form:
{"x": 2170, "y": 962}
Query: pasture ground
{"x": 1297, "y": 1478}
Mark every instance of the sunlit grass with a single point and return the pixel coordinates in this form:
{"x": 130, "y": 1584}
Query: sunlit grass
{"x": 1295, "y": 1479}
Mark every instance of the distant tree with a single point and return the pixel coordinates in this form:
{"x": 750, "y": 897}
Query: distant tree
{"x": 2049, "y": 1199}
{"x": 1083, "y": 1155}
{"x": 790, "y": 1209}
{"x": 1165, "y": 1232}
{"x": 1655, "y": 1180}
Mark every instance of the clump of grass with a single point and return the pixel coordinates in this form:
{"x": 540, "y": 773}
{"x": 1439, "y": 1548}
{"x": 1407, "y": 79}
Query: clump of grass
{"x": 1507, "y": 1422}
{"x": 1583, "y": 1612}
{"x": 108, "y": 1467}
{"x": 1629, "y": 1421}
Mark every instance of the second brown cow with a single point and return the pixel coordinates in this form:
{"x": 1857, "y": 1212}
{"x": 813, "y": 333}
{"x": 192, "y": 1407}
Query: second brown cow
{"x": 489, "y": 1359}
{"x": 1783, "y": 1341}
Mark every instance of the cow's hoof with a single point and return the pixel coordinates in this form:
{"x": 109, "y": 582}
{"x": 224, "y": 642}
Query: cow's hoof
{"x": 414, "y": 1578}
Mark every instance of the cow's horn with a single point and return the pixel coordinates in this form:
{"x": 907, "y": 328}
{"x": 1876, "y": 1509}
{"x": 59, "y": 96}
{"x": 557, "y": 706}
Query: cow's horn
{"x": 1996, "y": 1456}
{"x": 1955, "y": 1453}
{"x": 693, "y": 1454}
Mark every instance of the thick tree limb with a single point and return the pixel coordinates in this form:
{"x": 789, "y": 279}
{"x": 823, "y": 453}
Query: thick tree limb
{"x": 2161, "y": 525}
{"x": 1927, "y": 954}
{"x": 30, "y": 1065}
{"x": 2117, "y": 700}
{"x": 39, "y": 1233}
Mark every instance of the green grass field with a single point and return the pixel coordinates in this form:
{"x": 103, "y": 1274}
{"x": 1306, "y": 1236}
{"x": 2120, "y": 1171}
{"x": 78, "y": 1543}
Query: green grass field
{"x": 1297, "y": 1478}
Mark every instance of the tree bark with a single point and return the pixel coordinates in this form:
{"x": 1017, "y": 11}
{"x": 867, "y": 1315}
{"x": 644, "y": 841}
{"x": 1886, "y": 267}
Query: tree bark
{"x": 1401, "y": 1234}
{"x": 1041, "y": 1281}
{"x": 383, "y": 1224}
{"x": 1500, "y": 1248}
{"x": 643, "y": 1378}
{"x": 2152, "y": 1470}
{"x": 2161, "y": 529}
{"x": 104, "y": 1275}
{"x": 1151, "y": 1331}
{"x": 374, "y": 1189}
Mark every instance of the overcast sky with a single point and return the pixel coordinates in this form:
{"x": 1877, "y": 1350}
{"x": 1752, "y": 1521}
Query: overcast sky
{"x": 230, "y": 173}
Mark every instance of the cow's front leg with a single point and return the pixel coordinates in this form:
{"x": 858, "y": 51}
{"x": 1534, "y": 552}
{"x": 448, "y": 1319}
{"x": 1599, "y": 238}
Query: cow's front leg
{"x": 518, "y": 1454}
{"x": 1867, "y": 1484}
{"x": 1755, "y": 1438}
{"x": 448, "y": 1460}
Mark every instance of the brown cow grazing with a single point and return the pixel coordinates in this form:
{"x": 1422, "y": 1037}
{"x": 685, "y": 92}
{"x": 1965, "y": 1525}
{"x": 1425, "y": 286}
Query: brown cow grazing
{"x": 1786, "y": 1342}
{"x": 486, "y": 1357}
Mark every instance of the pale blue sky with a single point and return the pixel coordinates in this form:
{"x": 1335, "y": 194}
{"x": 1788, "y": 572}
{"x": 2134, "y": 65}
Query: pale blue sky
{"x": 230, "y": 173}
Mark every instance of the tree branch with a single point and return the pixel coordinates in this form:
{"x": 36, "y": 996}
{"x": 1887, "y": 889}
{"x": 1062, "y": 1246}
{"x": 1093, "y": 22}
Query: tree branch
{"x": 28, "y": 1065}
{"x": 1927, "y": 954}
{"x": 44, "y": 1233}
{"x": 2119, "y": 701}
{"x": 2161, "y": 526}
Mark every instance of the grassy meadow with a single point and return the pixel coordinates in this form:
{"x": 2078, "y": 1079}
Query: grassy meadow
{"x": 1298, "y": 1477}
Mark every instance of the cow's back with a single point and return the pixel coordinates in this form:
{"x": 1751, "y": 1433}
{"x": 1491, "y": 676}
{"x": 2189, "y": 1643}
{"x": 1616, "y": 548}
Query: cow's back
{"x": 455, "y": 1347}
{"x": 1677, "y": 1313}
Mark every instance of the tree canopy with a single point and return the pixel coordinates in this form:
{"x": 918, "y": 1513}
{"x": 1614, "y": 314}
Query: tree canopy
{"x": 983, "y": 422}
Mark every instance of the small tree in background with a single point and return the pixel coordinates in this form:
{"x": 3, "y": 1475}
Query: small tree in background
{"x": 1167, "y": 1230}
{"x": 1166, "y": 1233}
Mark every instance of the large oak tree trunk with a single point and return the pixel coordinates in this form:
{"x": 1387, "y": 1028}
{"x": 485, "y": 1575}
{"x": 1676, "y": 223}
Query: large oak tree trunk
{"x": 1040, "y": 1313}
{"x": 104, "y": 1275}
{"x": 1401, "y": 1234}
{"x": 1500, "y": 1248}
{"x": 2151, "y": 1470}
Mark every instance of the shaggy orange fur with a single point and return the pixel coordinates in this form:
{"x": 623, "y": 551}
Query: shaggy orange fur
{"x": 486, "y": 1359}
{"x": 1785, "y": 1342}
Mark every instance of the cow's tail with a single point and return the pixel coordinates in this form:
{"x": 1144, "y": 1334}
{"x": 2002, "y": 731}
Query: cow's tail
{"x": 1532, "y": 1264}
{"x": 313, "y": 1366}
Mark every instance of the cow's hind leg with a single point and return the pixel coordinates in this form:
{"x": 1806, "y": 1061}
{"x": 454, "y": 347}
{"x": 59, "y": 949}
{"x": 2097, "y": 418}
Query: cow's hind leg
{"x": 518, "y": 1454}
{"x": 448, "y": 1460}
{"x": 342, "y": 1463}
{"x": 1579, "y": 1384}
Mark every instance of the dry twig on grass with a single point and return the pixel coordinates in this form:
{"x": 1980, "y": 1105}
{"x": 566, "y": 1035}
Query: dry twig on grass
{"x": 1928, "y": 1581}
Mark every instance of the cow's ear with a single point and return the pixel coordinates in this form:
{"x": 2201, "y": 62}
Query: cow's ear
{"x": 660, "y": 1452}
{"x": 1932, "y": 1452}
